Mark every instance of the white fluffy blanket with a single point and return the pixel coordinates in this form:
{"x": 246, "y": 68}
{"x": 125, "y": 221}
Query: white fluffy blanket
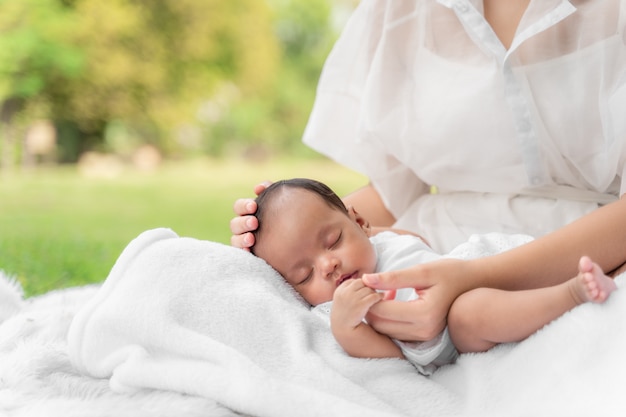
{"x": 195, "y": 328}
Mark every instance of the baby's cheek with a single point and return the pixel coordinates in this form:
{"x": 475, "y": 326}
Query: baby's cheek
{"x": 318, "y": 295}
{"x": 372, "y": 260}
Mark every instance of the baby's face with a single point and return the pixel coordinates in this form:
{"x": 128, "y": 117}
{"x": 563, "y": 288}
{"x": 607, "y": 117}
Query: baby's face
{"x": 313, "y": 246}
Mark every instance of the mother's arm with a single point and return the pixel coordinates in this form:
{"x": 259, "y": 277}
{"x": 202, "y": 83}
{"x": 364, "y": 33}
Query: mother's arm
{"x": 546, "y": 261}
{"x": 367, "y": 203}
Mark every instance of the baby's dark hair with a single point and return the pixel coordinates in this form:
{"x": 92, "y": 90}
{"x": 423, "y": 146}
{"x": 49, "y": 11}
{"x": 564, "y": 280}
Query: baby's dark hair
{"x": 264, "y": 200}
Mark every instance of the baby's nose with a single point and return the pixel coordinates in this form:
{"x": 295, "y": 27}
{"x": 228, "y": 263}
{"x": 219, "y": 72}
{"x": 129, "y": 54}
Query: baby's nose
{"x": 329, "y": 265}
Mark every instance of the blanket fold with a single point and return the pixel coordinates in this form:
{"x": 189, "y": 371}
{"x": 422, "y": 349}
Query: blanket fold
{"x": 201, "y": 318}
{"x": 206, "y": 319}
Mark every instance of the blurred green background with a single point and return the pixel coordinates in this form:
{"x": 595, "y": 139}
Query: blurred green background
{"x": 124, "y": 115}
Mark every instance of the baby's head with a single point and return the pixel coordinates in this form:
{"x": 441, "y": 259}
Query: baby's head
{"x": 309, "y": 236}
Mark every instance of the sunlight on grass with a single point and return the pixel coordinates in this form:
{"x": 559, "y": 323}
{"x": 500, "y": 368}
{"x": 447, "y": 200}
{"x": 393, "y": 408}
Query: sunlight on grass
{"x": 60, "y": 229}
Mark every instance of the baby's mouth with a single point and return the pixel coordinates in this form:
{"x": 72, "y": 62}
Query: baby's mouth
{"x": 345, "y": 277}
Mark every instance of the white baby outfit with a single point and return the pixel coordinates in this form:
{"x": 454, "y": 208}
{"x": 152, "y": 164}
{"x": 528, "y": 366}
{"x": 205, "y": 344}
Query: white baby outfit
{"x": 395, "y": 252}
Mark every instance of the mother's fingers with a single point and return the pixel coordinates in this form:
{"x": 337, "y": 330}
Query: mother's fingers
{"x": 412, "y": 320}
{"x": 397, "y": 330}
{"x": 245, "y": 206}
{"x": 243, "y": 241}
{"x": 243, "y": 224}
{"x": 259, "y": 188}
{"x": 403, "y": 278}
{"x": 400, "y": 311}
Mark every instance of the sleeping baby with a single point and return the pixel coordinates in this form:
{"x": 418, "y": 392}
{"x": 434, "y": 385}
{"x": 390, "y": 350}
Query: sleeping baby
{"x": 322, "y": 248}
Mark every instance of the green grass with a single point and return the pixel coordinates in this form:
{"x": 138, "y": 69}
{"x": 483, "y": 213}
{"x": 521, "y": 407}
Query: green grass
{"x": 60, "y": 229}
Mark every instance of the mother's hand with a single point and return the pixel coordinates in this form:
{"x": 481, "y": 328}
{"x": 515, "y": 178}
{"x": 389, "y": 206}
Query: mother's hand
{"x": 437, "y": 283}
{"x": 245, "y": 223}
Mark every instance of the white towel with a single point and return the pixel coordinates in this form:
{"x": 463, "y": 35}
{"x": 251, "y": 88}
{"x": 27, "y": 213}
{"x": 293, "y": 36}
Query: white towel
{"x": 207, "y": 319}
{"x": 11, "y": 294}
{"x": 202, "y": 318}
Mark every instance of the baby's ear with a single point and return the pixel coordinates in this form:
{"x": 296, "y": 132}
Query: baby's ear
{"x": 360, "y": 220}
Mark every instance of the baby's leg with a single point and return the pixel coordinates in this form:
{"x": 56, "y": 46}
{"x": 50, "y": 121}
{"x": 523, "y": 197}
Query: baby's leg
{"x": 484, "y": 317}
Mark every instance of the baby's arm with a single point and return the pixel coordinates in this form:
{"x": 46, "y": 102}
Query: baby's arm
{"x": 365, "y": 342}
{"x": 351, "y": 302}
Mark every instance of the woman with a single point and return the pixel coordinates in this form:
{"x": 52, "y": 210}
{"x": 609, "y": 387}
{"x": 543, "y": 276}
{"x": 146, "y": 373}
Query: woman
{"x": 514, "y": 110}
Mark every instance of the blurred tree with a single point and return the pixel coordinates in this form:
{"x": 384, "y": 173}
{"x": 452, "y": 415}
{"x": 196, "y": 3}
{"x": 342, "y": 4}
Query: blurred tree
{"x": 185, "y": 75}
{"x": 275, "y": 116}
{"x": 150, "y": 63}
{"x": 145, "y": 63}
{"x": 36, "y": 51}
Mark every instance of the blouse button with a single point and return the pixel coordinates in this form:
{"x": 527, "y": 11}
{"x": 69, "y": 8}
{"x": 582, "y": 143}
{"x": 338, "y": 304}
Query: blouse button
{"x": 461, "y": 6}
{"x": 524, "y": 125}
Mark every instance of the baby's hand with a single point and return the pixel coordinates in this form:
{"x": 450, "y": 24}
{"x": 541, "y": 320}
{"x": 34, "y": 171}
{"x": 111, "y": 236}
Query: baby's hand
{"x": 351, "y": 302}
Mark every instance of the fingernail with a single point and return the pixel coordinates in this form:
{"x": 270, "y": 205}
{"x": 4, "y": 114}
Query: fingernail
{"x": 250, "y": 207}
{"x": 371, "y": 278}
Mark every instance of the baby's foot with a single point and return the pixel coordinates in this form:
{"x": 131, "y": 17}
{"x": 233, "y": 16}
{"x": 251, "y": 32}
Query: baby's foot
{"x": 591, "y": 284}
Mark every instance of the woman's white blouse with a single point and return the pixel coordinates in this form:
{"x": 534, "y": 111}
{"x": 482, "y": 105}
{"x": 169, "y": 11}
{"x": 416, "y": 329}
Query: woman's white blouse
{"x": 419, "y": 93}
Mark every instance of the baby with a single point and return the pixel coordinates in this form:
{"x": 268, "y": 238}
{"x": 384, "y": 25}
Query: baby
{"x": 322, "y": 249}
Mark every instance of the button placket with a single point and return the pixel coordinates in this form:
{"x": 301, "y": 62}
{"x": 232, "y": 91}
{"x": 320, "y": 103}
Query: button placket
{"x": 484, "y": 36}
{"x": 526, "y": 134}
